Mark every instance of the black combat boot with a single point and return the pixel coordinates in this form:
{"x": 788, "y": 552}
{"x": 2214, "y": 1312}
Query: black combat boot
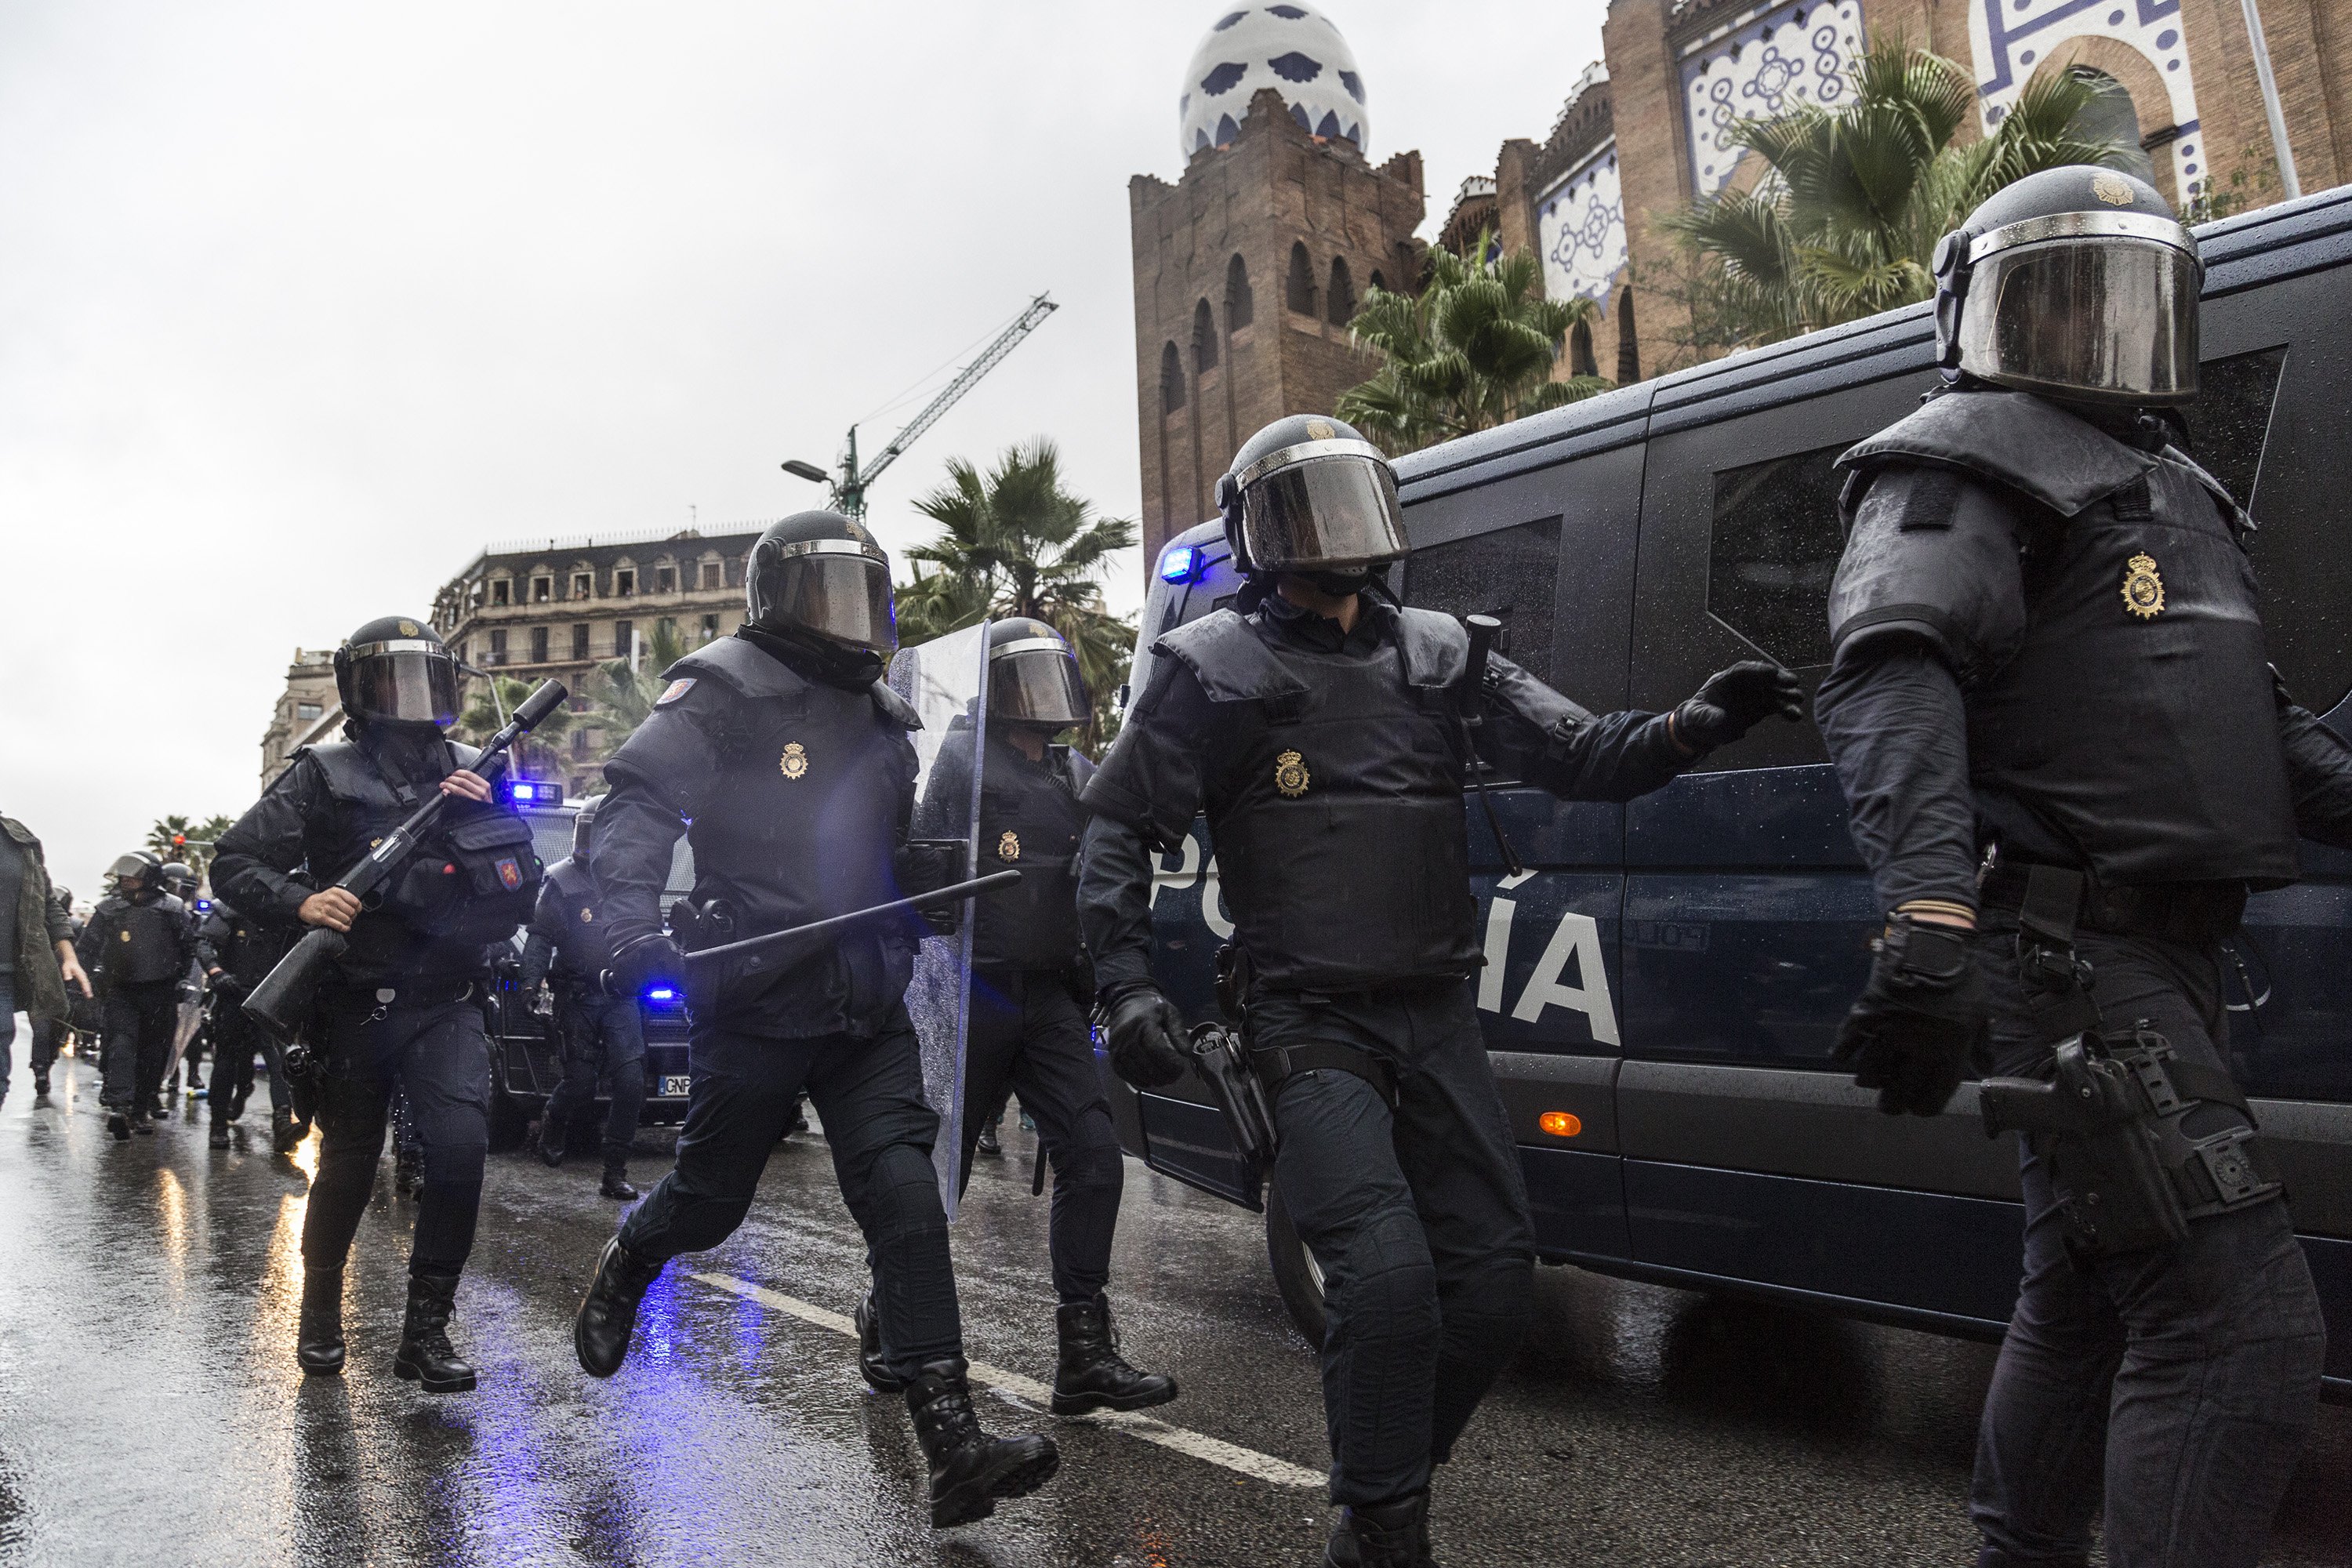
{"x": 615, "y": 1184}
{"x": 1093, "y": 1375}
{"x": 550, "y": 1144}
{"x": 427, "y": 1357}
{"x": 319, "y": 1341}
{"x": 870, "y": 1364}
{"x": 1388, "y": 1535}
{"x": 40, "y": 1083}
{"x": 608, "y": 1312}
{"x": 219, "y": 1139}
{"x": 285, "y": 1133}
{"x": 971, "y": 1471}
{"x": 144, "y": 1121}
{"x": 119, "y": 1123}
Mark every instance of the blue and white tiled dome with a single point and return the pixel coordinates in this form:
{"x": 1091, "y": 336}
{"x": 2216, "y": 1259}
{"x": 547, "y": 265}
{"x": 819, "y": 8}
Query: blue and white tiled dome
{"x": 1294, "y": 50}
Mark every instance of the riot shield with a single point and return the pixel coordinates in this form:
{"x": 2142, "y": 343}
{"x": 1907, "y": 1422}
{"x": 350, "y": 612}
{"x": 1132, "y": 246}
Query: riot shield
{"x": 945, "y": 680}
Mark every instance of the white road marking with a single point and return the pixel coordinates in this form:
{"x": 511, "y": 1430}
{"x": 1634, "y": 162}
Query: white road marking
{"x": 1183, "y": 1440}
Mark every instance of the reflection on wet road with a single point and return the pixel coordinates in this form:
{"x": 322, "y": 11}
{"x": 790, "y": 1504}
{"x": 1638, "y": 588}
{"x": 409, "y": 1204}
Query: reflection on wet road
{"x": 150, "y": 1411}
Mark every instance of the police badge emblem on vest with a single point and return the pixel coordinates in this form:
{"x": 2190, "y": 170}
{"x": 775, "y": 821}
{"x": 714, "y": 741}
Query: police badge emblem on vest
{"x": 793, "y": 764}
{"x": 1008, "y": 849}
{"x": 1291, "y": 775}
{"x": 587, "y": 917}
{"x": 2143, "y": 588}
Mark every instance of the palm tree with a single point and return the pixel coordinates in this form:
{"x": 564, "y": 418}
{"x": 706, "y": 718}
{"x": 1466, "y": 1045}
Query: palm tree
{"x": 1853, "y": 199}
{"x": 487, "y": 712}
{"x": 1015, "y": 542}
{"x": 619, "y": 695}
{"x": 1474, "y": 349}
{"x": 194, "y": 847}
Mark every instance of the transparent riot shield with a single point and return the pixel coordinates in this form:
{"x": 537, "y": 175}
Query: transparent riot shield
{"x": 946, "y": 682}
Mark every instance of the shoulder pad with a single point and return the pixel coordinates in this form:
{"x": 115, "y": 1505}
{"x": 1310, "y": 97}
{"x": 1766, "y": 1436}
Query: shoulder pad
{"x": 170, "y": 905}
{"x": 1229, "y": 659}
{"x": 346, "y": 770}
{"x": 2240, "y": 522}
{"x": 737, "y": 666}
{"x": 1436, "y": 646}
{"x": 1931, "y": 554}
{"x": 112, "y": 904}
{"x": 566, "y": 875}
{"x": 466, "y": 756}
{"x": 2013, "y": 439}
{"x": 895, "y": 707}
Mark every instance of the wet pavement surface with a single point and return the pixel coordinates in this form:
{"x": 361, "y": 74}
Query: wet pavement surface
{"x": 150, "y": 1411}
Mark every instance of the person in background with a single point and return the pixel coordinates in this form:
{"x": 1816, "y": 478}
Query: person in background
{"x": 37, "y": 960}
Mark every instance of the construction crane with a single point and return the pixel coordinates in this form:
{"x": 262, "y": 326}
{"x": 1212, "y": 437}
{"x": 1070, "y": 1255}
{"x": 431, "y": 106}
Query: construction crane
{"x": 849, "y": 489}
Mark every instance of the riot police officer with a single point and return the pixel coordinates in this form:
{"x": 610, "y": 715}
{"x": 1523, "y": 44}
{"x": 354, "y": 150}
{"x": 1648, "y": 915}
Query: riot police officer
{"x": 2068, "y": 761}
{"x": 792, "y": 762}
{"x": 238, "y": 954}
{"x": 404, "y": 1005}
{"x": 1031, "y": 989}
{"x": 1321, "y": 727}
{"x": 139, "y": 945}
{"x": 601, "y": 1033}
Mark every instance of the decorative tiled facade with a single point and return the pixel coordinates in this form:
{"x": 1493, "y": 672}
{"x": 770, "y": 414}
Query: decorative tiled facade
{"x": 1581, "y": 231}
{"x": 2010, "y": 37}
{"x": 1759, "y": 66}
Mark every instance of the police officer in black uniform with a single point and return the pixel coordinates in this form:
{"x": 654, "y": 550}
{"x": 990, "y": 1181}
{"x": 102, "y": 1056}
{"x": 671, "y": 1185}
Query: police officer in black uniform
{"x": 1321, "y": 727}
{"x": 237, "y": 954}
{"x": 138, "y": 945}
{"x": 790, "y": 760}
{"x": 601, "y": 1033}
{"x": 1031, "y": 989}
{"x": 2068, "y": 761}
{"x": 404, "y": 1005}
{"x": 180, "y": 881}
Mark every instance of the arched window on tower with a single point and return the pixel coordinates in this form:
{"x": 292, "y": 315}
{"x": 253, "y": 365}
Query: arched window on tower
{"x": 1580, "y": 351}
{"x": 1379, "y": 281}
{"x": 1298, "y": 291}
{"x": 1343, "y": 292}
{"x": 1629, "y": 347}
{"x": 1205, "y": 338}
{"x": 2110, "y": 117}
{"x": 1171, "y": 379}
{"x": 1239, "y": 307}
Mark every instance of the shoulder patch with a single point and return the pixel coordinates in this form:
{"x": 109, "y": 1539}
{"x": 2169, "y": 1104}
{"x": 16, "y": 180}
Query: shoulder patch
{"x": 674, "y": 691}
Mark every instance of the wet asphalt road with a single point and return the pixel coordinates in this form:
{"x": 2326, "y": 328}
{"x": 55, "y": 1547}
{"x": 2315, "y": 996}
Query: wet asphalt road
{"x": 150, "y": 1411}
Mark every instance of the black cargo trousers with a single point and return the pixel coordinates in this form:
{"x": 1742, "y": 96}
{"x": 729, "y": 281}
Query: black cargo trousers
{"x": 136, "y": 1041}
{"x": 604, "y": 1035}
{"x": 425, "y": 1038}
{"x": 235, "y": 1038}
{"x": 1417, "y": 1216}
{"x": 1028, "y": 1034}
{"x": 869, "y": 1091}
{"x": 2180, "y": 1383}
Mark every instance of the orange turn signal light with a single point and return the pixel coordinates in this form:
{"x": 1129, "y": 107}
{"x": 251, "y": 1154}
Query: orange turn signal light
{"x": 1560, "y": 1123}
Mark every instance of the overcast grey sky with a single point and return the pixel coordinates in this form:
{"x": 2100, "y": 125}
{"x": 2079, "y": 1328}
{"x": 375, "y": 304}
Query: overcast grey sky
{"x": 300, "y": 305}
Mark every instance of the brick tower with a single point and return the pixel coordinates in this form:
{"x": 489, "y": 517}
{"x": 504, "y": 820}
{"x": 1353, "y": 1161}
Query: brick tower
{"x": 1246, "y": 272}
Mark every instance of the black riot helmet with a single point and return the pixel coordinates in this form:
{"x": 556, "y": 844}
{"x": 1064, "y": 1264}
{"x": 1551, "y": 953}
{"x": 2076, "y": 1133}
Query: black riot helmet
{"x": 584, "y": 826}
{"x": 138, "y": 866}
{"x": 179, "y": 879}
{"x": 394, "y": 670}
{"x": 2077, "y": 283}
{"x": 819, "y": 573}
{"x": 1311, "y": 496}
{"x": 1032, "y": 675}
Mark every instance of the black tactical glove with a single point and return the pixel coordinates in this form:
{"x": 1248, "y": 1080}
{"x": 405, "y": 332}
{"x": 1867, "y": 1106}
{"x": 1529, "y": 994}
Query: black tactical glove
{"x": 1922, "y": 1020}
{"x": 641, "y": 962}
{"x": 1730, "y": 703}
{"x": 1146, "y": 1034}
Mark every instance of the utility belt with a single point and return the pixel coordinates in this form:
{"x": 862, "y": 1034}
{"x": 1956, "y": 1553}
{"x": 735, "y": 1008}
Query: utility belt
{"x": 2191, "y": 912}
{"x": 2110, "y": 1121}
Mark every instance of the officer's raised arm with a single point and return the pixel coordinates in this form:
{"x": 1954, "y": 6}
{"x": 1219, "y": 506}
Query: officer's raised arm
{"x": 1577, "y": 755}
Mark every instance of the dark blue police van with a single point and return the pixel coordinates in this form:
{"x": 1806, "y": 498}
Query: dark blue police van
{"x": 1662, "y": 987}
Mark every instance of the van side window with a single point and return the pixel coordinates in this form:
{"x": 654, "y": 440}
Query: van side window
{"x": 1772, "y": 550}
{"x": 1510, "y": 574}
{"x": 2230, "y": 419}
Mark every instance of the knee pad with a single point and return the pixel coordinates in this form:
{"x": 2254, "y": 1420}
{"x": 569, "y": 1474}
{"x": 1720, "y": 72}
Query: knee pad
{"x": 901, "y": 1195}
{"x": 1091, "y": 1164}
{"x": 1390, "y": 1288}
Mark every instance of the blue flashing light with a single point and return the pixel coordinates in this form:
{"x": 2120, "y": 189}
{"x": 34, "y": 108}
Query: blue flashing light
{"x": 661, "y": 994}
{"x": 533, "y": 792}
{"x": 1177, "y": 566}
{"x": 204, "y": 906}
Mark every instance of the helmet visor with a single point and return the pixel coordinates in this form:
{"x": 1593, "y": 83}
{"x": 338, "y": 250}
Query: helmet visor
{"x": 842, "y": 594}
{"x": 1036, "y": 682}
{"x": 2111, "y": 318}
{"x": 1325, "y": 513}
{"x": 405, "y": 683}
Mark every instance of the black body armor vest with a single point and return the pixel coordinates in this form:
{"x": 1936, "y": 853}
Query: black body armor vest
{"x": 814, "y": 786}
{"x": 2133, "y": 731}
{"x": 1030, "y": 820}
{"x": 147, "y": 943}
{"x": 246, "y": 950}
{"x": 472, "y": 881}
{"x": 581, "y": 951}
{"x": 1336, "y": 808}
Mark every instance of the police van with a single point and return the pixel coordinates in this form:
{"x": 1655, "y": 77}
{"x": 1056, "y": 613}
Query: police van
{"x": 526, "y": 1057}
{"x": 1664, "y": 981}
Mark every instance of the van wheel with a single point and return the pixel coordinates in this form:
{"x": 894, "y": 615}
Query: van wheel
{"x": 1296, "y": 1273}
